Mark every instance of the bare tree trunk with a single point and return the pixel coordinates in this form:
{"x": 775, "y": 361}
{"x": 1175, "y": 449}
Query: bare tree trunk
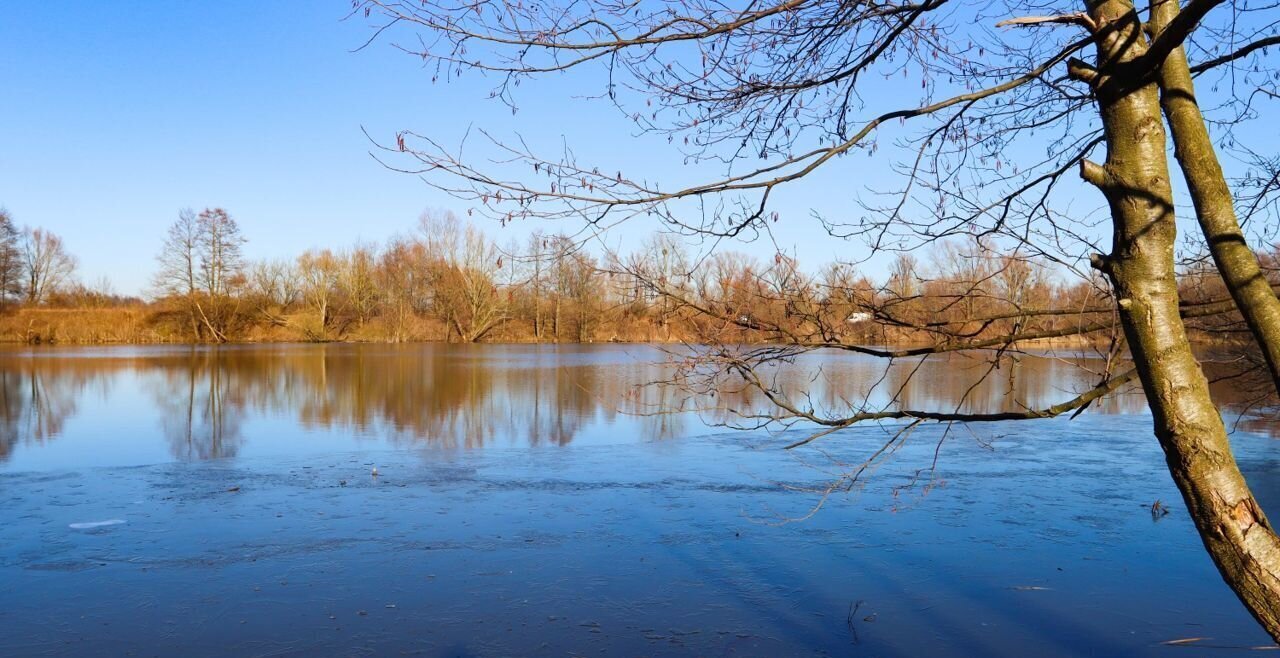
{"x": 1215, "y": 209}
{"x": 218, "y": 336}
{"x": 1135, "y": 181}
{"x": 194, "y": 316}
{"x": 537, "y": 296}
{"x": 456, "y": 326}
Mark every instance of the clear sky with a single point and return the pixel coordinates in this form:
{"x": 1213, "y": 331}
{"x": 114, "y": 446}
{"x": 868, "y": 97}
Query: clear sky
{"x": 117, "y": 114}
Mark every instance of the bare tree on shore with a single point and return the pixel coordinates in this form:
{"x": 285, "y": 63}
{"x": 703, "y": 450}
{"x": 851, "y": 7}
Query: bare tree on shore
{"x": 11, "y": 258}
{"x": 464, "y": 276}
{"x": 46, "y": 264}
{"x": 201, "y": 265}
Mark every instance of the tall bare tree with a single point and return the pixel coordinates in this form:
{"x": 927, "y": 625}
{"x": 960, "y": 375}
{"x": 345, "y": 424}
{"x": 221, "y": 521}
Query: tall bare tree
{"x": 403, "y": 277}
{"x": 464, "y": 277}
{"x": 11, "y": 262}
{"x": 178, "y": 263}
{"x": 218, "y": 245}
{"x": 200, "y": 267}
{"x": 46, "y": 264}
{"x": 179, "y": 258}
{"x": 664, "y": 259}
{"x": 320, "y": 273}
{"x": 357, "y": 281}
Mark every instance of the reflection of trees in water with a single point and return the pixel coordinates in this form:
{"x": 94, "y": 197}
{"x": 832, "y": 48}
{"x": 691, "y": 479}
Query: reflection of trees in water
{"x": 201, "y": 407}
{"x": 468, "y": 396}
{"x": 36, "y": 401}
{"x": 955, "y": 383}
{"x": 1241, "y": 385}
{"x": 444, "y": 396}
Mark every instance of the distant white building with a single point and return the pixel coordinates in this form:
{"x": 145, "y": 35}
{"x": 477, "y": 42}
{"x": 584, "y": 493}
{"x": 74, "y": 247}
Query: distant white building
{"x": 859, "y": 317}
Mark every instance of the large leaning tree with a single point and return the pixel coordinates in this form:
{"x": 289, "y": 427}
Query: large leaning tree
{"x": 995, "y": 121}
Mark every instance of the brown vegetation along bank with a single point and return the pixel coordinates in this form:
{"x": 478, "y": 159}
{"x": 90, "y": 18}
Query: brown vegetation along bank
{"x": 449, "y": 282}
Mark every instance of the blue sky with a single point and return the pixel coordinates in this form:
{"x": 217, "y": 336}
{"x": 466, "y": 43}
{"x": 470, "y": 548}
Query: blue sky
{"x": 116, "y": 115}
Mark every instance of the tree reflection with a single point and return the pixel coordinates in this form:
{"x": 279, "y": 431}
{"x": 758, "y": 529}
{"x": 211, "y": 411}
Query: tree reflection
{"x": 35, "y": 402}
{"x": 956, "y": 383}
{"x": 465, "y": 397}
{"x": 201, "y": 407}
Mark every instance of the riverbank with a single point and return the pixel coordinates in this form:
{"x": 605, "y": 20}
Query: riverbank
{"x": 146, "y": 325}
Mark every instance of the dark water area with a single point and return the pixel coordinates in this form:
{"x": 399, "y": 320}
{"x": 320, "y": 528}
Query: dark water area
{"x": 179, "y": 501}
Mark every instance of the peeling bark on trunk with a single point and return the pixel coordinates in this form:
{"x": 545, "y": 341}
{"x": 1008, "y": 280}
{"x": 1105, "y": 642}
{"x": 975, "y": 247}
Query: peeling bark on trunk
{"x": 1215, "y": 208}
{"x": 1135, "y": 181}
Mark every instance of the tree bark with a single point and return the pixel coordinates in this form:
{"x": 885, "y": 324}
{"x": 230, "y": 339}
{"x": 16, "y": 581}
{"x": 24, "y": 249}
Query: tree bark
{"x": 1135, "y": 181}
{"x": 1212, "y": 198}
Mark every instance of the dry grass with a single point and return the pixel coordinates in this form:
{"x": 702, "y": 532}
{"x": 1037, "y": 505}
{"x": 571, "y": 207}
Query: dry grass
{"x": 84, "y": 326}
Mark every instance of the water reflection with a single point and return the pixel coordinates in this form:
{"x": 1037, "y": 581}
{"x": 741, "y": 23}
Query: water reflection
{"x": 442, "y": 396}
{"x": 34, "y": 404}
{"x": 960, "y": 382}
{"x": 200, "y": 406}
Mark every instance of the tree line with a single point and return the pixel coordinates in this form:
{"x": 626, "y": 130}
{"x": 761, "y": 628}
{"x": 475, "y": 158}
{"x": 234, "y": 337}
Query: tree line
{"x": 449, "y": 281}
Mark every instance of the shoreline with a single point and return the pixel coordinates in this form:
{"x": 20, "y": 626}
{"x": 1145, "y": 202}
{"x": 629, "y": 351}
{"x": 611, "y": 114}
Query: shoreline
{"x": 143, "y": 325}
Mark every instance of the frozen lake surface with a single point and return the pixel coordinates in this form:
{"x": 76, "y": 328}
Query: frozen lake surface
{"x": 169, "y": 501}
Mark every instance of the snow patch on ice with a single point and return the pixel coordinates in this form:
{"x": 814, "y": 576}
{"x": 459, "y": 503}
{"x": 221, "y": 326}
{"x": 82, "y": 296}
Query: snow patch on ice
{"x": 95, "y": 524}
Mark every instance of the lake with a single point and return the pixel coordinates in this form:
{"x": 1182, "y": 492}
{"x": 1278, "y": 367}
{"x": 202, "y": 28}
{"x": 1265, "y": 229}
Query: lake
{"x": 531, "y": 500}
